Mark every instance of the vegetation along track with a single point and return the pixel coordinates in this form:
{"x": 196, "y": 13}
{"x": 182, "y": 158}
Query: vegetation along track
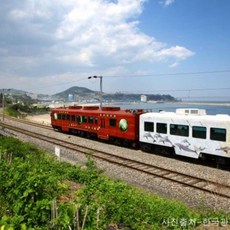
{"x": 205, "y": 185}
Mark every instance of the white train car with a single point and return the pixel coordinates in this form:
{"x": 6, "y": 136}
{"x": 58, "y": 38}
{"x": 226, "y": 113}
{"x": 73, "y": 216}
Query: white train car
{"x": 187, "y": 132}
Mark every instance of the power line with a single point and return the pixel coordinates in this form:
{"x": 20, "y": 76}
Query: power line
{"x": 205, "y": 97}
{"x": 170, "y": 74}
{"x": 144, "y": 75}
{"x": 57, "y": 84}
{"x": 174, "y": 90}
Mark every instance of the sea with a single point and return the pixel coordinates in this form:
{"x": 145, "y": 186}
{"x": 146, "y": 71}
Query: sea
{"x": 212, "y": 108}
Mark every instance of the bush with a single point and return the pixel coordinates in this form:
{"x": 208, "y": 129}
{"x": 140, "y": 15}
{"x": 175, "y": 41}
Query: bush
{"x": 39, "y": 192}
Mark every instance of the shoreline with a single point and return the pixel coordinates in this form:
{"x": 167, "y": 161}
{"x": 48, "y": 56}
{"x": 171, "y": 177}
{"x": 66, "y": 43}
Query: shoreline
{"x": 45, "y": 118}
{"x": 227, "y": 104}
{"x": 202, "y": 103}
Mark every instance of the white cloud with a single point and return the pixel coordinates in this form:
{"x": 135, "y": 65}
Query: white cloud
{"x": 168, "y": 2}
{"x": 177, "y": 53}
{"x": 54, "y": 37}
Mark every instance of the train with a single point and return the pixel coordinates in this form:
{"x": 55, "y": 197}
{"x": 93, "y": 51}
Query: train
{"x": 187, "y": 132}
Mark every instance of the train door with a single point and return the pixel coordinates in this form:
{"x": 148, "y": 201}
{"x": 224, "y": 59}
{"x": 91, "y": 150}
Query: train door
{"x": 65, "y": 122}
{"x": 68, "y": 120}
{"x": 102, "y": 134}
{"x": 102, "y": 123}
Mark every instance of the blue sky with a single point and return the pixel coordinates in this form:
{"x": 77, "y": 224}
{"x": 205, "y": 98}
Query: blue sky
{"x": 177, "y": 47}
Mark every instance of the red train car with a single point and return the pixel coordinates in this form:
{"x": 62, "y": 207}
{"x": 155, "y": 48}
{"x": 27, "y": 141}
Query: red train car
{"x": 108, "y": 123}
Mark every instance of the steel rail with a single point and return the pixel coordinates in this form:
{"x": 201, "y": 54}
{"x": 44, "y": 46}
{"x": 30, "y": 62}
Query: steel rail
{"x": 198, "y": 183}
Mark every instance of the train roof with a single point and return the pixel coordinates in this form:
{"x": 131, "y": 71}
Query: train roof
{"x": 97, "y": 109}
{"x": 191, "y": 113}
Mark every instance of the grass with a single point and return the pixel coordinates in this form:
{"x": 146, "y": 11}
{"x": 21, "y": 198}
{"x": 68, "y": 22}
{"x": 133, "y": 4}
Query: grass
{"x": 39, "y": 192}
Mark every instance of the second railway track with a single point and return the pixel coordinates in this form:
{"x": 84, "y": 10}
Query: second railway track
{"x": 198, "y": 183}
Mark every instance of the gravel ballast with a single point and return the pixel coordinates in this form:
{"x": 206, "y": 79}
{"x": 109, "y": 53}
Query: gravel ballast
{"x": 159, "y": 186}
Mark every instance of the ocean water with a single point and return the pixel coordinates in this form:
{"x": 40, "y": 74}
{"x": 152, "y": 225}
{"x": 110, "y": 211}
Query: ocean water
{"x": 211, "y": 108}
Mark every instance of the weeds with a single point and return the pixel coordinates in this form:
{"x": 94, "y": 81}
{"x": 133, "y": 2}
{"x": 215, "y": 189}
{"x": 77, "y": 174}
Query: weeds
{"x": 39, "y": 192}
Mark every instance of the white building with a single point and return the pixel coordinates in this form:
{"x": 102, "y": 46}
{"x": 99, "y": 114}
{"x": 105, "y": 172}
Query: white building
{"x": 143, "y": 98}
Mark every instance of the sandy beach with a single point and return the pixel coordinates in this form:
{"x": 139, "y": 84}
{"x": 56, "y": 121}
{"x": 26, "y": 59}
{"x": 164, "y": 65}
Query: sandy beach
{"x": 42, "y": 119}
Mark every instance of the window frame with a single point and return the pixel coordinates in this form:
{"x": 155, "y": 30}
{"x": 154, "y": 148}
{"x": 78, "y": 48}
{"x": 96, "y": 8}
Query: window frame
{"x": 199, "y": 134}
{"x": 177, "y": 130}
{"x": 160, "y": 128}
{"x": 149, "y": 126}
{"x": 79, "y": 119}
{"x": 91, "y": 120}
{"x": 112, "y": 122}
{"x": 84, "y": 119}
{"x": 218, "y": 136}
{"x": 63, "y": 116}
{"x": 73, "y": 118}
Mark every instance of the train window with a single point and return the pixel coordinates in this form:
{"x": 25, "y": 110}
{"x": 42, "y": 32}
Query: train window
{"x": 179, "y": 130}
{"x": 54, "y": 116}
{"x": 96, "y": 120}
{"x": 90, "y": 120}
{"x": 68, "y": 117}
{"x": 218, "y": 134}
{"x": 199, "y": 132}
{"x": 63, "y": 116}
{"x": 84, "y": 119}
{"x": 162, "y": 128}
{"x": 73, "y": 118}
{"x": 112, "y": 122}
{"x": 79, "y": 119}
{"x": 148, "y": 126}
{"x": 59, "y": 116}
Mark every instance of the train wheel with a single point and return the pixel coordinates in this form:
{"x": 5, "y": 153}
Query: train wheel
{"x": 118, "y": 142}
{"x": 166, "y": 151}
{"x": 221, "y": 161}
{"x": 126, "y": 143}
{"x": 82, "y": 134}
{"x": 145, "y": 147}
{"x": 134, "y": 144}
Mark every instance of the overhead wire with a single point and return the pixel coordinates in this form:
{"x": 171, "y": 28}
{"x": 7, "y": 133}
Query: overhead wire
{"x": 170, "y": 74}
{"x": 149, "y": 75}
{"x": 57, "y": 84}
{"x": 174, "y": 90}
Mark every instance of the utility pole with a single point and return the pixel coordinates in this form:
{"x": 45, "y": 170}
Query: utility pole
{"x": 3, "y": 105}
{"x": 100, "y": 87}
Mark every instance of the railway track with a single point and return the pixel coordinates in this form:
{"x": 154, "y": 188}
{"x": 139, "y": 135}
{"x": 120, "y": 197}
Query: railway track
{"x": 36, "y": 124}
{"x": 204, "y": 185}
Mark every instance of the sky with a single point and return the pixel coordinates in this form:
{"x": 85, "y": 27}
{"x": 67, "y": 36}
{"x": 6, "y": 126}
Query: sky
{"x": 176, "y": 47}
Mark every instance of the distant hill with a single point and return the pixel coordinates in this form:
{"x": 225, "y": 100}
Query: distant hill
{"x": 75, "y": 90}
{"x": 13, "y": 91}
{"x": 79, "y": 94}
{"x": 15, "y": 96}
{"x": 136, "y": 97}
{"x": 82, "y": 93}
